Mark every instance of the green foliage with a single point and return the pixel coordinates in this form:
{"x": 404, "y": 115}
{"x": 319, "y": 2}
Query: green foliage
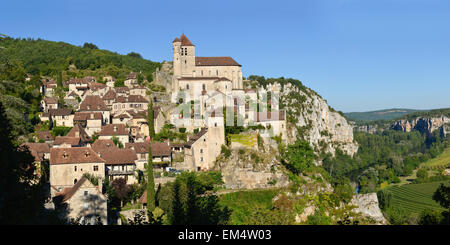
{"x": 225, "y": 151}
{"x": 387, "y": 114}
{"x": 60, "y": 131}
{"x": 299, "y": 157}
{"x": 21, "y": 196}
{"x": 189, "y": 200}
{"x": 382, "y": 157}
{"x": 93, "y": 179}
{"x": 90, "y": 46}
{"x": 117, "y": 142}
{"x": 151, "y": 119}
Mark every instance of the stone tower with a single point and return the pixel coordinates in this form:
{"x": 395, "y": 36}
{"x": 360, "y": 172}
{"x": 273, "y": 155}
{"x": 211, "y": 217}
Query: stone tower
{"x": 183, "y": 57}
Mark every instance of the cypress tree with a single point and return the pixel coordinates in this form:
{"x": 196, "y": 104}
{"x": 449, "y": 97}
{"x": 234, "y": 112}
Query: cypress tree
{"x": 151, "y": 119}
{"x": 150, "y": 177}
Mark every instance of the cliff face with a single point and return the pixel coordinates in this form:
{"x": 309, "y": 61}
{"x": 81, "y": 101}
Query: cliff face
{"x": 310, "y": 118}
{"x": 423, "y": 125}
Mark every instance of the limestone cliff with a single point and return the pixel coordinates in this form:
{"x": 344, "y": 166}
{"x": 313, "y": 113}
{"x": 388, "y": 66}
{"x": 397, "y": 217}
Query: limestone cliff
{"x": 426, "y": 125}
{"x": 309, "y": 117}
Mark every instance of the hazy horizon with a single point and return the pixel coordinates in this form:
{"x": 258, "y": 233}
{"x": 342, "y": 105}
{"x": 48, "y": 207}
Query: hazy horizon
{"x": 358, "y": 55}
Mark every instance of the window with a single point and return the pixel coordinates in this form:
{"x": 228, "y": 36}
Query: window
{"x": 201, "y": 159}
{"x": 74, "y": 181}
{"x": 187, "y": 86}
{"x": 203, "y": 86}
{"x": 75, "y": 168}
{"x": 95, "y": 168}
{"x": 201, "y": 150}
{"x": 202, "y": 72}
{"x": 217, "y": 72}
{"x": 86, "y": 193}
{"x": 86, "y": 205}
{"x": 215, "y": 124}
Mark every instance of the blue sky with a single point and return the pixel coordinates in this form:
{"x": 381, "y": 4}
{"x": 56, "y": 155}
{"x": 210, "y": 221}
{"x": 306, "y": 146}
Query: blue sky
{"x": 358, "y": 54}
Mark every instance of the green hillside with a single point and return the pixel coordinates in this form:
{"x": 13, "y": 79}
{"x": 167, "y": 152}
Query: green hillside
{"x": 387, "y": 114}
{"x": 60, "y": 61}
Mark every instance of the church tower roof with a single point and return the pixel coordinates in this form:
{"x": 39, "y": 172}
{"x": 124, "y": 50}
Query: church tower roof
{"x": 176, "y": 40}
{"x": 185, "y": 41}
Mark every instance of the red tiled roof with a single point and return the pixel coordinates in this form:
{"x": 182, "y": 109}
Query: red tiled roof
{"x": 158, "y": 148}
{"x": 73, "y": 141}
{"x": 118, "y": 156}
{"x": 83, "y": 116}
{"x": 74, "y": 155}
{"x": 114, "y": 129}
{"x": 60, "y": 112}
{"x": 215, "y": 61}
{"x": 50, "y": 100}
{"x": 93, "y": 103}
{"x": 194, "y": 138}
{"x": 101, "y": 145}
{"x": 185, "y": 41}
{"x": 78, "y": 130}
{"x": 110, "y": 95}
{"x": 44, "y": 135}
{"x": 131, "y": 99}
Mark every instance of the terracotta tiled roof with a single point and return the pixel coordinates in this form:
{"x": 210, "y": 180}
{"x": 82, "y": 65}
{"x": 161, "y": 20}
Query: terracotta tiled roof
{"x": 158, "y": 148}
{"x": 194, "y": 138}
{"x": 77, "y": 81}
{"x": 93, "y": 103}
{"x": 50, "y": 100}
{"x": 96, "y": 86}
{"x": 110, "y": 95}
{"x": 132, "y": 75}
{"x": 118, "y": 156}
{"x": 83, "y": 116}
{"x": 185, "y": 41}
{"x": 44, "y": 135}
{"x": 68, "y": 192}
{"x": 176, "y": 40}
{"x": 74, "y": 155}
{"x": 215, "y": 61}
{"x": 123, "y": 115}
{"x": 38, "y": 147}
{"x": 122, "y": 89}
{"x": 114, "y": 129}
{"x": 131, "y": 99}
{"x": 101, "y": 145}
{"x": 78, "y": 130}
{"x": 60, "y": 112}
{"x": 73, "y": 141}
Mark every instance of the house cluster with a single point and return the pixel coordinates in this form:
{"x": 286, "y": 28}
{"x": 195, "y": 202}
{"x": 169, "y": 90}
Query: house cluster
{"x": 207, "y": 94}
{"x": 117, "y": 119}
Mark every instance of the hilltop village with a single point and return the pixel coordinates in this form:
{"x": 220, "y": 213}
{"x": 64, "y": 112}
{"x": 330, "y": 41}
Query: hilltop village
{"x": 108, "y": 131}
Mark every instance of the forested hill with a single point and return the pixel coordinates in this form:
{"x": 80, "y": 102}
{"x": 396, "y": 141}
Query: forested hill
{"x": 49, "y": 58}
{"x": 387, "y": 114}
{"x": 37, "y": 59}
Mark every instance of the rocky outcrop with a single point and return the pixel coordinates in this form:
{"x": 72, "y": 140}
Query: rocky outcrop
{"x": 163, "y": 77}
{"x": 309, "y": 117}
{"x": 367, "y": 205}
{"x": 250, "y": 169}
{"x": 423, "y": 125}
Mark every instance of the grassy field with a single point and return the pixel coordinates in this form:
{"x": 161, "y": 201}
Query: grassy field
{"x": 243, "y": 202}
{"x": 249, "y": 140}
{"x": 415, "y": 197}
{"x": 443, "y": 160}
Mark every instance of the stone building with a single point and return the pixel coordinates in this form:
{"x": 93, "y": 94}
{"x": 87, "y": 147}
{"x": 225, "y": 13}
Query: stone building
{"x": 83, "y": 200}
{"x": 67, "y": 166}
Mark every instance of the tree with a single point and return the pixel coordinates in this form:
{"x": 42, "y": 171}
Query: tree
{"x": 150, "y": 177}
{"x": 135, "y": 55}
{"x": 151, "y": 119}
{"x": 299, "y": 157}
{"x": 20, "y": 198}
{"x": 422, "y": 174}
{"x": 90, "y": 46}
{"x": 121, "y": 189}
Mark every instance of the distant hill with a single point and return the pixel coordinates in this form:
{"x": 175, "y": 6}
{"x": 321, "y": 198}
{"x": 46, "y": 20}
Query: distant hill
{"x": 387, "y": 114}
